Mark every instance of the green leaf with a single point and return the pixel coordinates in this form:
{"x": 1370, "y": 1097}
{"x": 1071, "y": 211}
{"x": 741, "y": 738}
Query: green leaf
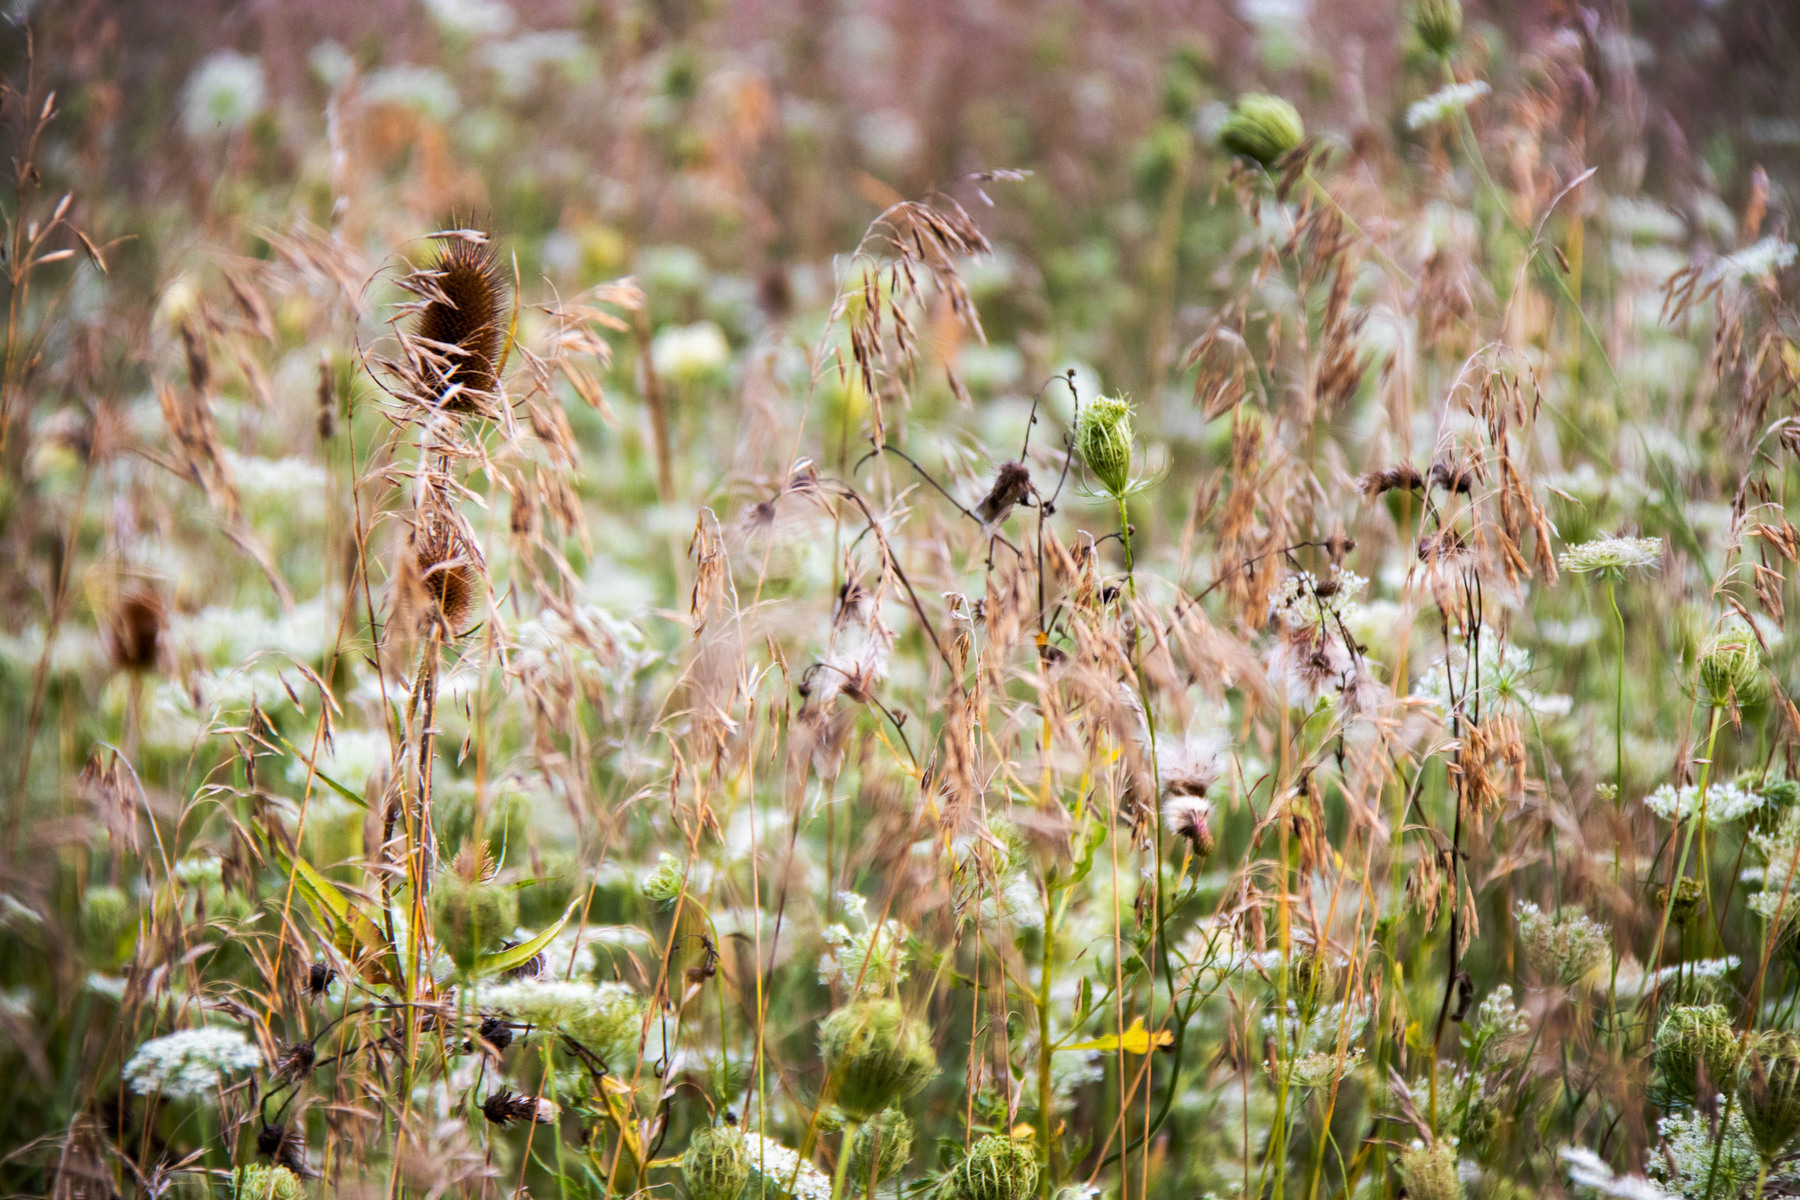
{"x": 524, "y": 952}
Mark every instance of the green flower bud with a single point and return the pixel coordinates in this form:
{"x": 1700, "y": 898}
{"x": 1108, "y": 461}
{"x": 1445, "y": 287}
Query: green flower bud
{"x": 1438, "y": 24}
{"x": 880, "y": 1150}
{"x": 1261, "y": 127}
{"x": 1696, "y": 1048}
{"x": 260, "y": 1181}
{"x": 1731, "y": 667}
{"x": 1103, "y": 439}
{"x": 716, "y": 1165}
{"x": 997, "y": 1168}
{"x": 1769, "y": 1093}
{"x": 663, "y": 884}
{"x": 1430, "y": 1173}
{"x": 876, "y": 1055}
{"x": 471, "y": 916}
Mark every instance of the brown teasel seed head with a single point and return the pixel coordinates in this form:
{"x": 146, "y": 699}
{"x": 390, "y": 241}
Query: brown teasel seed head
{"x": 136, "y": 630}
{"x": 463, "y": 323}
{"x": 448, "y": 569}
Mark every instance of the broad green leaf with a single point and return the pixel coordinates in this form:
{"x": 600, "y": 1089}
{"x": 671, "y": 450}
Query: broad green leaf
{"x": 524, "y": 952}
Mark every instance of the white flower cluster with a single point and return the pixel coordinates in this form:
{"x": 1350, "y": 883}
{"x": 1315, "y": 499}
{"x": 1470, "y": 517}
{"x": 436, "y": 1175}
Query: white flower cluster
{"x": 1499, "y": 1018}
{"x": 1587, "y": 1169}
{"x": 777, "y": 1170}
{"x": 355, "y": 756}
{"x": 188, "y": 1063}
{"x": 1779, "y": 899}
{"x": 425, "y": 90}
{"x": 1444, "y": 103}
{"x": 1755, "y": 261}
{"x": 222, "y": 95}
{"x": 688, "y": 352}
{"x": 605, "y": 1017}
{"x": 1497, "y": 677}
{"x": 1701, "y": 1164}
{"x": 1725, "y": 802}
{"x": 1305, "y": 603}
{"x": 1563, "y": 946}
{"x": 1611, "y": 557}
{"x": 1702, "y": 974}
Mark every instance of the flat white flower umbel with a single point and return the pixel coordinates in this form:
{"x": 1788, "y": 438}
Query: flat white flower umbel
{"x": 188, "y": 1063}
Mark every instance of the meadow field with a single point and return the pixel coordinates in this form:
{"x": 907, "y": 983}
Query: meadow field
{"x": 964, "y": 600}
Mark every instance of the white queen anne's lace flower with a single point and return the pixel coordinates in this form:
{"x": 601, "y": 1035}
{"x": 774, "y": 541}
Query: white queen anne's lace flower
{"x": 222, "y": 95}
{"x": 1587, "y": 1169}
{"x": 1611, "y": 558}
{"x": 188, "y": 1063}
{"x": 1444, "y": 103}
{"x": 1725, "y": 802}
{"x": 777, "y": 1171}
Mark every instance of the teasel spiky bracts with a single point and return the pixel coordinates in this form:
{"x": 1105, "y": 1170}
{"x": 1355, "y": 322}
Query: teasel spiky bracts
{"x": 441, "y": 573}
{"x": 459, "y": 334}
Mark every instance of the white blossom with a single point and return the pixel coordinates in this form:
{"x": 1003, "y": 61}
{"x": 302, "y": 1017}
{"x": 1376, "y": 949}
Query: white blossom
{"x": 1443, "y": 103}
{"x": 188, "y": 1063}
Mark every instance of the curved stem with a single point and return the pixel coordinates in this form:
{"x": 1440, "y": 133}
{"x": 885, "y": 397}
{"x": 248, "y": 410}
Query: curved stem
{"x": 1619, "y": 713}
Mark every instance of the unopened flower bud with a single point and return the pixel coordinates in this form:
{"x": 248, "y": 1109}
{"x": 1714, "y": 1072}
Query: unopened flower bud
{"x": 716, "y": 1165}
{"x": 1103, "y": 439}
{"x": 1261, "y": 127}
{"x": 877, "y": 1056}
{"x": 1438, "y": 24}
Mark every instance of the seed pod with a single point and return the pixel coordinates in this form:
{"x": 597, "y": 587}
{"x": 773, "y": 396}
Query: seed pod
{"x": 1438, "y": 24}
{"x": 1430, "y": 1173}
{"x": 1731, "y": 667}
{"x": 1770, "y": 1093}
{"x": 716, "y": 1165}
{"x": 877, "y": 1056}
{"x": 1261, "y": 127}
{"x": 997, "y": 1168}
{"x": 1103, "y": 439}
{"x": 1696, "y": 1048}
{"x": 881, "y": 1149}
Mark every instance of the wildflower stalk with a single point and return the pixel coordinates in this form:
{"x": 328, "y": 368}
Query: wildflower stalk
{"x": 1046, "y": 1089}
{"x": 1125, "y": 537}
{"x": 843, "y": 1163}
{"x": 1618, "y": 715}
{"x": 1687, "y": 844}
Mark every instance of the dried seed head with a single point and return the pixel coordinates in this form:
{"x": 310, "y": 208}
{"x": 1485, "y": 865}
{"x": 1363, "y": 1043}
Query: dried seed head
{"x": 462, "y": 327}
{"x": 295, "y": 1064}
{"x": 447, "y": 566}
{"x": 495, "y": 1032}
{"x": 318, "y": 980}
{"x": 327, "y": 398}
{"x": 716, "y": 1165}
{"x": 1103, "y": 439}
{"x": 877, "y": 1056}
{"x": 1453, "y": 477}
{"x": 1011, "y": 485}
{"x": 136, "y": 631}
{"x": 1261, "y": 127}
{"x": 1402, "y": 477}
{"x": 1191, "y": 817}
{"x": 504, "y": 1107}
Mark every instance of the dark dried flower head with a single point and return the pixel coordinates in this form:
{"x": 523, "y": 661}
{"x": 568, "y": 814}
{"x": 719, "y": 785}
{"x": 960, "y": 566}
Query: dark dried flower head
{"x": 318, "y": 979}
{"x": 495, "y": 1032}
{"x": 462, "y": 327}
{"x": 1011, "y": 485}
{"x": 1403, "y": 477}
{"x": 295, "y": 1064}
{"x": 287, "y": 1146}
{"x": 137, "y": 627}
{"x": 1453, "y": 477}
{"x": 448, "y": 568}
{"x": 504, "y": 1107}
